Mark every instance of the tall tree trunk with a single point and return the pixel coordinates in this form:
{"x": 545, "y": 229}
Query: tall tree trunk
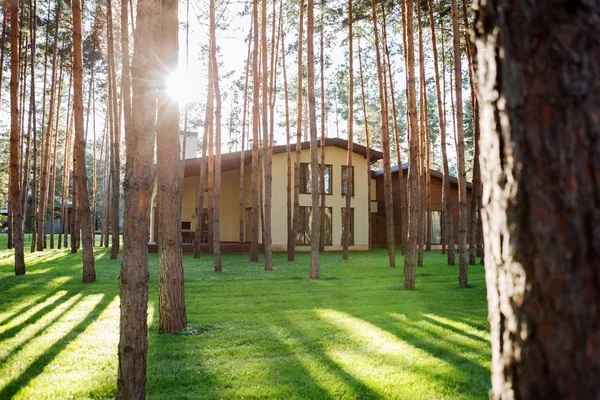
{"x": 172, "y": 315}
{"x": 32, "y": 110}
{"x": 475, "y": 184}
{"x": 385, "y": 143}
{"x": 34, "y": 119}
{"x": 446, "y": 193}
{"x": 401, "y": 184}
{"x": 54, "y": 159}
{"x": 422, "y": 134}
{"x": 368, "y": 139}
{"x": 460, "y": 156}
{"x": 255, "y": 117}
{"x": 267, "y": 162}
{"x": 291, "y": 236}
{"x": 292, "y": 249}
{"x": 133, "y": 283}
{"x": 2, "y": 44}
{"x": 116, "y": 141}
{"x": 125, "y": 73}
{"x": 15, "y": 190}
{"x": 322, "y": 169}
{"x": 80, "y": 177}
{"x": 413, "y": 205}
{"x": 217, "y": 168}
{"x": 539, "y": 101}
{"x": 314, "y": 161}
{"x": 203, "y": 166}
{"x": 349, "y": 172}
{"x": 43, "y": 197}
{"x": 244, "y": 130}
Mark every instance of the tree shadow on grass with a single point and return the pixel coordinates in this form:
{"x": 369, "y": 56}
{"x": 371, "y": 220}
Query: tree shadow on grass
{"x": 42, "y": 329}
{"x": 37, "y": 367}
{"x": 32, "y": 319}
{"x": 449, "y": 351}
{"x": 454, "y": 329}
{"x": 26, "y": 307}
{"x": 311, "y": 344}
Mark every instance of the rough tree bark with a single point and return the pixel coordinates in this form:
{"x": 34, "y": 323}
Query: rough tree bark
{"x": 401, "y": 184}
{"x": 346, "y": 222}
{"x": 315, "y": 231}
{"x": 15, "y": 190}
{"x": 446, "y": 209}
{"x": 291, "y": 236}
{"x": 323, "y": 117}
{"x": 368, "y": 139}
{"x": 413, "y": 206}
{"x": 268, "y": 178}
{"x": 203, "y": 165}
{"x": 55, "y": 147}
{"x": 43, "y": 195}
{"x": 255, "y": 117}
{"x": 171, "y": 300}
{"x": 81, "y": 180}
{"x": 244, "y": 129}
{"x": 292, "y": 248}
{"x": 116, "y": 139}
{"x": 446, "y": 198}
{"x": 460, "y": 155}
{"x": 539, "y": 97}
{"x": 385, "y": 143}
{"x": 217, "y": 168}
{"x": 137, "y": 188}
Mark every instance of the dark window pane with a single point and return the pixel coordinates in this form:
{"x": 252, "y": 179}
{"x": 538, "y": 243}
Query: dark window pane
{"x": 345, "y": 180}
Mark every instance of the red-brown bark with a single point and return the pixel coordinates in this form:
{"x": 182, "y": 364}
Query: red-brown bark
{"x": 540, "y": 96}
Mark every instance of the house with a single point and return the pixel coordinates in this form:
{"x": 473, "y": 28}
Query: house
{"x": 378, "y": 223}
{"x": 335, "y": 172}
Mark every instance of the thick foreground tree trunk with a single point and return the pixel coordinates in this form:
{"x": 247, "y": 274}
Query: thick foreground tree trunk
{"x": 539, "y": 96}
{"x": 133, "y": 286}
{"x": 15, "y": 190}
{"x": 171, "y": 299}
{"x": 89, "y": 272}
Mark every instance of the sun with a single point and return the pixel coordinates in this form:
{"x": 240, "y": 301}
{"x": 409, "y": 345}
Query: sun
{"x": 182, "y": 86}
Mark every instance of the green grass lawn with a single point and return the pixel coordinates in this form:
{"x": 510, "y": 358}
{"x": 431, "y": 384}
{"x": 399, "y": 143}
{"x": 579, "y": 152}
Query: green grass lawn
{"x": 353, "y": 334}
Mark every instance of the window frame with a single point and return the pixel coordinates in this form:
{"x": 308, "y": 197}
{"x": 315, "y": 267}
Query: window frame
{"x": 304, "y": 178}
{"x": 304, "y": 226}
{"x": 342, "y": 191}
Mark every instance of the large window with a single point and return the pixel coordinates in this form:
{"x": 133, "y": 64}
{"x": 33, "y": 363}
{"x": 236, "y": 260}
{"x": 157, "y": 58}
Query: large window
{"x": 345, "y": 180}
{"x": 436, "y": 227}
{"x": 351, "y": 238}
{"x": 305, "y": 171}
{"x": 304, "y": 225}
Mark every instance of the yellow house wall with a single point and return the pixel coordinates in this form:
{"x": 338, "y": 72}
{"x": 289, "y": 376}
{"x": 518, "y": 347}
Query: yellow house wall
{"x": 336, "y": 157}
{"x": 229, "y": 205}
{"x": 230, "y": 196}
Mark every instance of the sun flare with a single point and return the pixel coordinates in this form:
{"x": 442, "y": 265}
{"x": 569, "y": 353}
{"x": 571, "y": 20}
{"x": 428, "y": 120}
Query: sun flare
{"x": 182, "y": 86}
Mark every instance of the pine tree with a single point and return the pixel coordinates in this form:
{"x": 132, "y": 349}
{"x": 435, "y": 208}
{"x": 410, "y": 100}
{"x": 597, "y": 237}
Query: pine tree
{"x": 133, "y": 285}
{"x": 314, "y": 162}
{"x": 460, "y": 155}
{"x": 15, "y": 190}
{"x": 539, "y": 152}
{"x": 385, "y": 142}
{"x": 81, "y": 179}
{"x": 349, "y": 171}
{"x": 413, "y": 206}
